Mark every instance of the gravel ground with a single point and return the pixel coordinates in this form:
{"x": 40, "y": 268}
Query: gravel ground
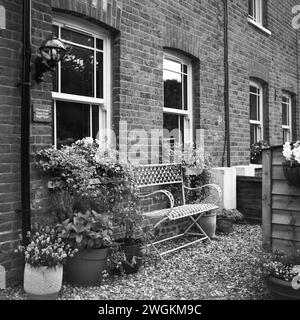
{"x": 228, "y": 268}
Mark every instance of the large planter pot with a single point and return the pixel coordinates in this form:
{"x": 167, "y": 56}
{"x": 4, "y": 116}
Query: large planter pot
{"x": 282, "y": 290}
{"x": 42, "y": 283}
{"x": 208, "y": 223}
{"x": 86, "y": 267}
{"x": 292, "y": 174}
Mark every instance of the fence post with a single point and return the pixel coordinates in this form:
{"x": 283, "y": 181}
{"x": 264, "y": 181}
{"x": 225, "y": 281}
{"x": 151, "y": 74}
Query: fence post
{"x": 267, "y": 199}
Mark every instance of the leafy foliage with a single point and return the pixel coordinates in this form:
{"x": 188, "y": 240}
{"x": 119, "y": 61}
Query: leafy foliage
{"x": 46, "y": 247}
{"x": 256, "y": 149}
{"x": 87, "y": 231}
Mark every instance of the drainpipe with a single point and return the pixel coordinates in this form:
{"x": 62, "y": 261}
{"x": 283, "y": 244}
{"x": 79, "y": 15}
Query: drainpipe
{"x": 226, "y": 86}
{"x": 25, "y": 120}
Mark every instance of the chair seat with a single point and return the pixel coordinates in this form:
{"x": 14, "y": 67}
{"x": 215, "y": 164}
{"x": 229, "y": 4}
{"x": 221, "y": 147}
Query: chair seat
{"x": 182, "y": 211}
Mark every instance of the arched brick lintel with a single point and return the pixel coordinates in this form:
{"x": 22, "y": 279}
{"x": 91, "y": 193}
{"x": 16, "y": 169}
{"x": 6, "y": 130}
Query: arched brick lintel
{"x": 108, "y": 13}
{"x": 183, "y": 42}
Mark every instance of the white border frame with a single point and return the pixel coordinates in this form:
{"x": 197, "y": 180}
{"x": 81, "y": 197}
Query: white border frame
{"x": 188, "y": 119}
{"x": 88, "y": 28}
{"x": 259, "y": 123}
{"x": 289, "y": 104}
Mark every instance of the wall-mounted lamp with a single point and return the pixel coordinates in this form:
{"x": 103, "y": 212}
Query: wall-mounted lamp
{"x": 52, "y": 51}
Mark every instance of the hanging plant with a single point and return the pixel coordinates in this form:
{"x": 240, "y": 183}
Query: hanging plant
{"x": 291, "y": 165}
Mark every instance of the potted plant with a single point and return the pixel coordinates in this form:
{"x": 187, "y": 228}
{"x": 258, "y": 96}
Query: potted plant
{"x": 291, "y": 165}
{"x": 44, "y": 257}
{"x": 282, "y": 274}
{"x": 91, "y": 234}
{"x": 227, "y": 218}
{"x": 130, "y": 246}
{"x": 256, "y": 151}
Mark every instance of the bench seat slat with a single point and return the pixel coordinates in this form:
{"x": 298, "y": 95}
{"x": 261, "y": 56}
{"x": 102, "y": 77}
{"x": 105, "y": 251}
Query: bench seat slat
{"x": 181, "y": 211}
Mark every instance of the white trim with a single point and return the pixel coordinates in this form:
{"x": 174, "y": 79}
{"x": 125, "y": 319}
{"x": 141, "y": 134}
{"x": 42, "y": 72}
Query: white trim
{"x": 104, "y": 104}
{"x": 259, "y": 124}
{"x": 260, "y": 26}
{"x": 75, "y": 98}
{"x": 176, "y": 111}
{"x": 188, "y": 114}
{"x": 287, "y": 128}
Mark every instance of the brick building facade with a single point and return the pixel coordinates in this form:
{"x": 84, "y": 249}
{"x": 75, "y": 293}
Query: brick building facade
{"x": 138, "y": 46}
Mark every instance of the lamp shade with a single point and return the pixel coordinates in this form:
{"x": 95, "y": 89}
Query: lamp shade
{"x": 52, "y": 51}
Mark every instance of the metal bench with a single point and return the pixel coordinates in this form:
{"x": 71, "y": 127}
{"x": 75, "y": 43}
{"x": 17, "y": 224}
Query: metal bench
{"x": 166, "y": 174}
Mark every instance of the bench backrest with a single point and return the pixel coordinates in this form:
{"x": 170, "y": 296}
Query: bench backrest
{"x": 158, "y": 174}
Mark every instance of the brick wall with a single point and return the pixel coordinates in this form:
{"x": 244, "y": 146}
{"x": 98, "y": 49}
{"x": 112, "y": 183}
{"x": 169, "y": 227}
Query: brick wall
{"x": 140, "y": 30}
{"x": 270, "y": 58}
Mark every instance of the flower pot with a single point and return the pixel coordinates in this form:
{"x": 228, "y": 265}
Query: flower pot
{"x": 86, "y": 267}
{"x": 292, "y": 174}
{"x": 224, "y": 225}
{"x": 130, "y": 250}
{"x": 42, "y": 283}
{"x": 282, "y": 290}
{"x": 208, "y": 223}
{"x": 192, "y": 171}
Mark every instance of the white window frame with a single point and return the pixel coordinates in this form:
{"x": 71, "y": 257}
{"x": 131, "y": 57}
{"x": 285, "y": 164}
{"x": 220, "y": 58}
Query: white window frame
{"x": 257, "y": 16}
{"x": 188, "y": 114}
{"x": 258, "y": 124}
{"x": 287, "y": 128}
{"x": 104, "y": 103}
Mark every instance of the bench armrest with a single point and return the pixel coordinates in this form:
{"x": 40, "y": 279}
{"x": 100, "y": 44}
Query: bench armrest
{"x": 215, "y": 186}
{"x": 165, "y": 192}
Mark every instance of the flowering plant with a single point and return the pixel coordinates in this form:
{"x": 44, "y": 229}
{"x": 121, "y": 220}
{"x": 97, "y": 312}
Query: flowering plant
{"x": 92, "y": 174}
{"x": 282, "y": 266}
{"x": 291, "y": 153}
{"x": 256, "y": 149}
{"x": 45, "y": 248}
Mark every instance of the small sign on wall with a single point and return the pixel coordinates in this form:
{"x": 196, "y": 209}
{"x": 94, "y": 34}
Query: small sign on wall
{"x": 42, "y": 113}
{"x": 2, "y": 18}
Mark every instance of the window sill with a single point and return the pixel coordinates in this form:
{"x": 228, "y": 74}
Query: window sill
{"x": 259, "y": 26}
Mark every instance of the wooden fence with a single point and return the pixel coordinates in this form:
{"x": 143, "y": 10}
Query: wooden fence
{"x": 280, "y": 205}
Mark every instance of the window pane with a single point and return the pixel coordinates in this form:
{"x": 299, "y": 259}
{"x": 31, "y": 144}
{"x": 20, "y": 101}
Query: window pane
{"x": 253, "y": 107}
{"x": 172, "y": 90}
{"x": 253, "y": 133}
{"x": 175, "y": 125}
{"x": 285, "y": 116}
{"x": 172, "y": 65}
{"x": 72, "y": 121}
{"x": 185, "y": 92}
{"x": 76, "y": 37}
{"x": 95, "y": 122}
{"x": 254, "y": 90}
{"x": 99, "y": 44}
{"x": 99, "y": 74}
{"x": 77, "y": 72}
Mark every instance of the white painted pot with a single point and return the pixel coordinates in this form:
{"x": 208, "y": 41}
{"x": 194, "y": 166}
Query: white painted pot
{"x": 42, "y": 283}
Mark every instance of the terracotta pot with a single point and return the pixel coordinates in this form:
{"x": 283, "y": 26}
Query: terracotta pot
{"x": 86, "y": 267}
{"x": 42, "y": 283}
{"x": 292, "y": 174}
{"x": 208, "y": 223}
{"x": 282, "y": 290}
